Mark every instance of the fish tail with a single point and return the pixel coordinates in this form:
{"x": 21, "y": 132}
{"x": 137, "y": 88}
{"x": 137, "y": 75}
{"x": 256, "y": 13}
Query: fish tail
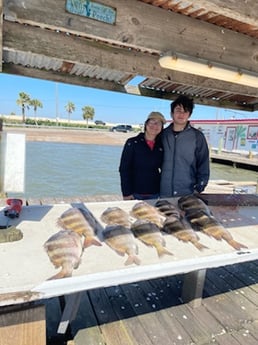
{"x": 89, "y": 241}
{"x": 132, "y": 259}
{"x": 199, "y": 246}
{"x": 163, "y": 251}
{"x": 236, "y": 244}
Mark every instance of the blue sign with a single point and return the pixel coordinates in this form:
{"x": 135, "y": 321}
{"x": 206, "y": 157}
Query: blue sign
{"x": 92, "y": 9}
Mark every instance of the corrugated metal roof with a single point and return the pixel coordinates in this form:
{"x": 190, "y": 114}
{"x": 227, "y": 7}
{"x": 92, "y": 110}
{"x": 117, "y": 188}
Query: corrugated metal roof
{"x": 199, "y": 93}
{"x": 29, "y": 59}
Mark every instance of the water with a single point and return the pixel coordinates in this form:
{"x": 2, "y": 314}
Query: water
{"x": 71, "y": 170}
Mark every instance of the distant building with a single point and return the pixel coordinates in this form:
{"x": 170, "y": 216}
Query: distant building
{"x": 230, "y": 135}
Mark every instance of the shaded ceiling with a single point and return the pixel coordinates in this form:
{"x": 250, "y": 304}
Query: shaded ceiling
{"x": 49, "y": 42}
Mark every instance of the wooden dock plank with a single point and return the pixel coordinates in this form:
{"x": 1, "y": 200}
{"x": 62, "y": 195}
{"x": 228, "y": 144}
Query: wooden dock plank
{"x": 150, "y": 312}
{"x": 230, "y": 314}
{"x": 151, "y": 320}
{"x": 169, "y": 287}
{"x": 89, "y": 336}
{"x": 143, "y": 299}
{"x": 117, "y": 333}
{"x": 125, "y": 312}
{"x": 24, "y": 326}
{"x": 235, "y": 159}
{"x": 227, "y": 339}
{"x": 244, "y": 337}
{"x": 114, "y": 332}
{"x": 247, "y": 274}
{"x": 83, "y": 326}
{"x": 252, "y": 328}
{"x": 238, "y": 295}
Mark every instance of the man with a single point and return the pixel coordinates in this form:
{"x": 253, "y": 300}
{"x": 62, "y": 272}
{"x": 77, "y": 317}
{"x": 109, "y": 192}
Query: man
{"x": 186, "y": 164}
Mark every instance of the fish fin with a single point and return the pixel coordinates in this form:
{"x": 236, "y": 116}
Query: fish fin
{"x": 119, "y": 252}
{"x": 163, "y": 251}
{"x": 64, "y": 273}
{"x": 236, "y": 244}
{"x": 89, "y": 241}
{"x": 132, "y": 259}
{"x": 200, "y": 246}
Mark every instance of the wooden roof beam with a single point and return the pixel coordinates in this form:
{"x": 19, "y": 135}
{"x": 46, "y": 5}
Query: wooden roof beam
{"x": 77, "y": 49}
{"x": 134, "y": 28}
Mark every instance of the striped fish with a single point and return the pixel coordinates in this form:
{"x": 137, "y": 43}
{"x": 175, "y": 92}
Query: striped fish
{"x": 150, "y": 234}
{"x": 201, "y": 218}
{"x": 115, "y": 215}
{"x": 191, "y": 202}
{"x": 167, "y": 208}
{"x": 122, "y": 241}
{"x": 182, "y": 231}
{"x": 74, "y": 220}
{"x": 209, "y": 225}
{"x": 64, "y": 250}
{"x": 143, "y": 210}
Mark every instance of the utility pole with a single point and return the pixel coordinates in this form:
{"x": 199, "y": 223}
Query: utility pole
{"x": 57, "y": 101}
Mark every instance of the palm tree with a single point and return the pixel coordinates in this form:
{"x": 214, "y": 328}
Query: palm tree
{"x": 23, "y": 102}
{"x": 88, "y": 113}
{"x": 35, "y": 103}
{"x": 70, "y": 107}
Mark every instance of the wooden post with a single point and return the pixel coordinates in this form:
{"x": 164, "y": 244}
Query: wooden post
{"x": 2, "y": 194}
{"x": 250, "y": 155}
{"x": 12, "y": 162}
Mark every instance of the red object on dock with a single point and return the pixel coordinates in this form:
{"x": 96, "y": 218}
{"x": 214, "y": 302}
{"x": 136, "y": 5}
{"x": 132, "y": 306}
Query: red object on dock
{"x": 14, "y": 209}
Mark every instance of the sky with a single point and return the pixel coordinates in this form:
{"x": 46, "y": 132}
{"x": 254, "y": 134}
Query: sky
{"x": 110, "y": 107}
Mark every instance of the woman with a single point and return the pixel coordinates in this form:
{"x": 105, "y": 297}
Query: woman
{"x": 141, "y": 161}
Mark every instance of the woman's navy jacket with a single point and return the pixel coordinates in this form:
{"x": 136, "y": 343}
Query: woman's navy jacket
{"x": 140, "y": 166}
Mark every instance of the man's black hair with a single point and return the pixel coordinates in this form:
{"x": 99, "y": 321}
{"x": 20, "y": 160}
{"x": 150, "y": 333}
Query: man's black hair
{"x": 184, "y": 101}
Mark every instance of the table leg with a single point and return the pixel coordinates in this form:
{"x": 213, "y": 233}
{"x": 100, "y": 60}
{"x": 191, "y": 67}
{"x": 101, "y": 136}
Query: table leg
{"x": 193, "y": 287}
{"x": 72, "y": 303}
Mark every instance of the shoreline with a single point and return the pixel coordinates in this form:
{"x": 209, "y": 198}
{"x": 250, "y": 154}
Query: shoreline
{"x": 102, "y": 137}
{"x": 76, "y": 136}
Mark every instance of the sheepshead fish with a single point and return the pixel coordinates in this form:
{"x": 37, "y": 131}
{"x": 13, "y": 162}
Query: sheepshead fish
{"x": 150, "y": 234}
{"x": 74, "y": 220}
{"x": 182, "y": 232}
{"x": 167, "y": 208}
{"x": 115, "y": 215}
{"x": 122, "y": 241}
{"x": 207, "y": 223}
{"x": 64, "y": 250}
{"x": 143, "y": 210}
{"x": 191, "y": 202}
